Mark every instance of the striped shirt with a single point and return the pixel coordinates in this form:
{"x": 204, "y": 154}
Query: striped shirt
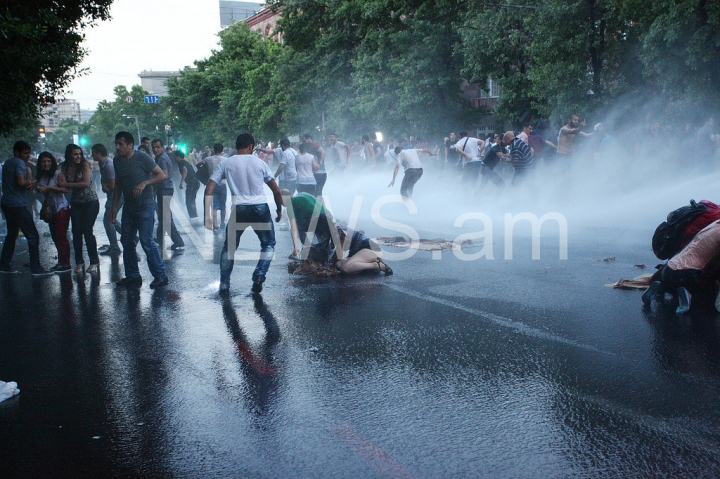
{"x": 521, "y": 155}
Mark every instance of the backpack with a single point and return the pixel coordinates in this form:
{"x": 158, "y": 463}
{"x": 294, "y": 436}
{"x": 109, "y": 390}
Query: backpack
{"x": 669, "y": 237}
{"x": 202, "y": 173}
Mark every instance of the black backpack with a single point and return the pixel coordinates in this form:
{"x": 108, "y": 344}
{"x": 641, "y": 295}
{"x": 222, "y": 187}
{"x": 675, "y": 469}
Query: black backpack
{"x": 203, "y": 173}
{"x": 668, "y": 239}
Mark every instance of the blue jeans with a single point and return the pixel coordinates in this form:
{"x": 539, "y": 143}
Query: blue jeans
{"x": 260, "y": 219}
{"x": 140, "y": 221}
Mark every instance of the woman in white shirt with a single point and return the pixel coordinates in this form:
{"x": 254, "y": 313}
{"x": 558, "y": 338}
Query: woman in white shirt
{"x": 305, "y": 164}
{"x": 48, "y": 185}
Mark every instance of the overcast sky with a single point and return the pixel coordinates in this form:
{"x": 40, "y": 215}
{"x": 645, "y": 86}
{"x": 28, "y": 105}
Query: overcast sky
{"x": 144, "y": 35}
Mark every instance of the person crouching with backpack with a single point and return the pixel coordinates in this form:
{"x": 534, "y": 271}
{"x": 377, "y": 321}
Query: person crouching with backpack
{"x": 692, "y": 272}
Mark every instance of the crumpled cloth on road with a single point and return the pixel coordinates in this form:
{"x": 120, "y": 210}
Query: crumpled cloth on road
{"x": 639, "y": 282}
{"x": 311, "y": 267}
{"x": 8, "y": 390}
{"x": 436, "y": 244}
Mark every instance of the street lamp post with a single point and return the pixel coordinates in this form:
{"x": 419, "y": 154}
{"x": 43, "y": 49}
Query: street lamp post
{"x": 137, "y": 125}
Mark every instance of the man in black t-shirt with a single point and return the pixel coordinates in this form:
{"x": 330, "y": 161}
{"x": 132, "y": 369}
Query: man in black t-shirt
{"x": 493, "y": 155}
{"x": 452, "y": 158}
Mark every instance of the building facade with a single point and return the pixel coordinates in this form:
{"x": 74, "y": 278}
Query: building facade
{"x": 154, "y": 81}
{"x": 53, "y": 114}
{"x": 231, "y": 11}
{"x": 265, "y": 22}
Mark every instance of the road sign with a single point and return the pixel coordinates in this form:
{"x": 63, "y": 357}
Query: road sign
{"x": 152, "y": 98}
{"x": 129, "y": 99}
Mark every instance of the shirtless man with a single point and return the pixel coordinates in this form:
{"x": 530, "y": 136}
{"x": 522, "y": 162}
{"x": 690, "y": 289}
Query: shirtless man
{"x": 566, "y": 136}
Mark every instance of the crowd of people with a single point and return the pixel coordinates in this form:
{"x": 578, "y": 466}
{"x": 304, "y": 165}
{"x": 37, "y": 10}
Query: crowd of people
{"x": 140, "y": 180}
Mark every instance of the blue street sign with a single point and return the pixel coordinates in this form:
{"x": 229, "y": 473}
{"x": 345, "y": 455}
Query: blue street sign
{"x": 152, "y": 98}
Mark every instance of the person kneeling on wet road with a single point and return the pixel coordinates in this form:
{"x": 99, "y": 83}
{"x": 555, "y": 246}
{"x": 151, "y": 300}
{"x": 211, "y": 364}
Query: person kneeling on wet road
{"x": 692, "y": 272}
{"x": 246, "y": 175}
{"x": 307, "y": 213}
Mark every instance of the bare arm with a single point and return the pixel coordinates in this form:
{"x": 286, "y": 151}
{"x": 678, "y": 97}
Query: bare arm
{"x": 278, "y": 198}
{"x": 397, "y": 167}
{"x": 183, "y": 174}
{"x": 280, "y": 169}
{"x": 208, "y": 204}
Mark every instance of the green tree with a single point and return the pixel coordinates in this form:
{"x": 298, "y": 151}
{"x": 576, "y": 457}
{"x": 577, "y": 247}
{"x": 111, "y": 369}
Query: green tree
{"x": 117, "y": 115}
{"x": 40, "y": 48}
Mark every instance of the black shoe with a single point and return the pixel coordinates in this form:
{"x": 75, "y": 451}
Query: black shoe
{"x": 130, "y": 282}
{"x": 256, "y": 287}
{"x": 651, "y": 292}
{"x": 158, "y": 282}
{"x": 177, "y": 246}
{"x": 224, "y": 288}
{"x": 40, "y": 271}
{"x": 110, "y": 252}
{"x": 104, "y": 247}
{"x": 8, "y": 270}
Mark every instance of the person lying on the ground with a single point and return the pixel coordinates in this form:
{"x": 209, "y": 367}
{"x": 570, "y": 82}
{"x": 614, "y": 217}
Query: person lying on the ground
{"x": 692, "y": 272}
{"x": 329, "y": 241}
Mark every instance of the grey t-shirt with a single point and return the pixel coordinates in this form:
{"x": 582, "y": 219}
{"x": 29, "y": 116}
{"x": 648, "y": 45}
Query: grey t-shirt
{"x": 163, "y": 161}
{"x": 130, "y": 173}
{"x": 13, "y": 195}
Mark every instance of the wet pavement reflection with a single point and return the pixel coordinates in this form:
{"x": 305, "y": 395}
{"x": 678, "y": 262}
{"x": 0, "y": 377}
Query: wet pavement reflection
{"x": 448, "y": 368}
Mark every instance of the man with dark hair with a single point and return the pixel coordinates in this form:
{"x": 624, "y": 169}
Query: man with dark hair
{"x": 15, "y": 183}
{"x": 134, "y": 172}
{"x": 469, "y": 148}
{"x": 316, "y": 149}
{"x": 492, "y": 157}
{"x": 145, "y": 141}
{"x": 567, "y": 134}
{"x": 409, "y": 158}
{"x": 526, "y": 132}
{"x": 338, "y": 151}
{"x": 286, "y": 172}
{"x": 220, "y": 191}
{"x": 164, "y": 192}
{"x": 107, "y": 182}
{"x": 246, "y": 176}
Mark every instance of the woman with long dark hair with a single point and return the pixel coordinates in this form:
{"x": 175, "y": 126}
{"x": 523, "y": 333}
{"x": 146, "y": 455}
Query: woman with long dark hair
{"x": 48, "y": 187}
{"x": 84, "y": 206}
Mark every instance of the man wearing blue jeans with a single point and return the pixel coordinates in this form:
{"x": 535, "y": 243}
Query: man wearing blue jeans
{"x": 246, "y": 176}
{"x": 15, "y": 183}
{"x": 134, "y": 172}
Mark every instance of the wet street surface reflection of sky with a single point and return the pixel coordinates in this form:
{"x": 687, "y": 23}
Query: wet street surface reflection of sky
{"x": 448, "y": 368}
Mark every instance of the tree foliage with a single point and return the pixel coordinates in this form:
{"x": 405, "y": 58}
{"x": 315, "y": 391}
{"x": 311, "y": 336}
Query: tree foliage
{"x": 40, "y": 48}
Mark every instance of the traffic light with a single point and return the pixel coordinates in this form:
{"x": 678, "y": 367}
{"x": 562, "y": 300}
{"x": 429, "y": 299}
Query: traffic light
{"x": 83, "y": 141}
{"x": 182, "y": 147}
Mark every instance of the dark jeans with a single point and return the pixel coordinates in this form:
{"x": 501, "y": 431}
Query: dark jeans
{"x": 110, "y": 227}
{"x": 320, "y": 178}
{"x": 260, "y": 219}
{"x": 140, "y": 221}
{"x": 412, "y": 175}
{"x": 20, "y": 219}
{"x": 164, "y": 197}
{"x": 306, "y": 189}
{"x": 488, "y": 174}
{"x": 191, "y": 190}
{"x": 471, "y": 171}
{"x": 83, "y": 216}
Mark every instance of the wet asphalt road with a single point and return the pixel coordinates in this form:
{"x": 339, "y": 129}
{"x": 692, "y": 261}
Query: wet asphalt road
{"x": 448, "y": 368}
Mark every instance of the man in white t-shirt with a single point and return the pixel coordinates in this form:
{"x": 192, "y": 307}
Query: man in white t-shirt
{"x": 246, "y": 176}
{"x": 338, "y": 151}
{"x": 410, "y": 160}
{"x": 469, "y": 149}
